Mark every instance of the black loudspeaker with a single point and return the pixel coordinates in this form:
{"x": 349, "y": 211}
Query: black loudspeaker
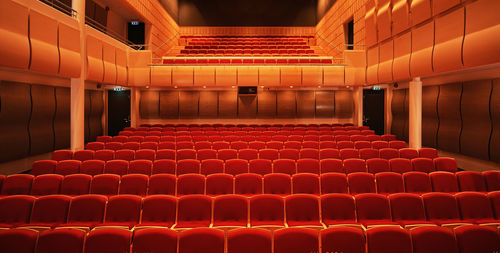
{"x": 247, "y": 90}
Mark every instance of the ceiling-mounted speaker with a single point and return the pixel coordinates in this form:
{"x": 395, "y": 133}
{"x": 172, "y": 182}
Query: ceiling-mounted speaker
{"x": 247, "y": 91}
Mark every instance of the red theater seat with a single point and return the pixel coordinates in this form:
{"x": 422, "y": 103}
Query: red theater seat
{"x": 50, "y": 211}
{"x": 77, "y": 184}
{"x": 423, "y": 164}
{"x": 158, "y": 210}
{"x": 267, "y": 210}
{"x": 188, "y": 166}
{"x": 118, "y": 167}
{"x": 134, "y": 184}
{"x": 441, "y": 208}
{"x": 194, "y": 211}
{"x": 284, "y": 166}
{"x": 389, "y": 182}
{"x": 433, "y": 239}
{"x": 373, "y": 209}
{"x": 15, "y": 211}
{"x": 249, "y": 240}
{"x": 331, "y": 165}
{"x": 248, "y": 184}
{"x": 60, "y": 155}
{"x": 105, "y": 184}
{"x": 219, "y": 184}
{"x": 343, "y": 239}
{"x": 201, "y": 240}
{"x": 140, "y": 167}
{"x": 86, "y": 211}
{"x": 338, "y": 209}
{"x": 110, "y": 240}
{"x": 475, "y": 207}
{"x": 154, "y": 240}
{"x": 92, "y": 167}
{"x": 400, "y": 165}
{"x": 296, "y": 240}
{"x": 230, "y": 210}
{"x": 211, "y": 166}
{"x": 472, "y": 239}
{"x": 18, "y": 240}
{"x": 471, "y": 181}
{"x": 68, "y": 167}
{"x": 388, "y": 240}
{"x": 46, "y": 184}
{"x": 407, "y": 209}
{"x": 277, "y": 183}
{"x": 260, "y": 166}
{"x": 17, "y": 184}
{"x": 83, "y": 155}
{"x": 296, "y": 215}
{"x": 443, "y": 181}
{"x": 43, "y": 167}
{"x": 236, "y": 166}
{"x": 164, "y": 166}
{"x": 162, "y": 184}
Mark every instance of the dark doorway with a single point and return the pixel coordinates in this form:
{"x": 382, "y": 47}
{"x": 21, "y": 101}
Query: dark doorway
{"x": 349, "y": 34}
{"x": 118, "y": 111}
{"x": 136, "y": 33}
{"x": 374, "y": 110}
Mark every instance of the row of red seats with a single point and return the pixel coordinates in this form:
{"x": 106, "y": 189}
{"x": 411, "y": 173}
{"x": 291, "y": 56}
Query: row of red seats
{"x": 244, "y": 61}
{"x": 193, "y": 132}
{"x": 299, "y": 210}
{"x": 130, "y": 154}
{"x": 251, "y": 184}
{"x": 246, "y": 43}
{"x": 250, "y": 51}
{"x": 247, "y": 46}
{"x": 430, "y": 239}
{"x": 216, "y": 125}
{"x": 278, "y": 146}
{"x": 127, "y": 165}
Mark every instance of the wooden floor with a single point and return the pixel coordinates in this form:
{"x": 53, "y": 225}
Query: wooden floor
{"x": 21, "y": 165}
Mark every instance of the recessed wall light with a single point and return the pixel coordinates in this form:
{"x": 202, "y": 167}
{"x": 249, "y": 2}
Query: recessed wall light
{"x": 147, "y": 87}
{"x": 204, "y": 87}
{"x": 175, "y": 87}
{"x": 291, "y": 86}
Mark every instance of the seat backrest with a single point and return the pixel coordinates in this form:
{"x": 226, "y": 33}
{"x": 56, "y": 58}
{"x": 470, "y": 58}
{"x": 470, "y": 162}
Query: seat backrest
{"x": 154, "y": 240}
{"x": 474, "y": 238}
{"x": 407, "y": 206}
{"x": 236, "y": 166}
{"x": 376, "y": 165}
{"x": 389, "y": 239}
{"x": 219, "y": 184}
{"x": 443, "y": 181}
{"x": 248, "y": 240}
{"x": 87, "y": 208}
{"x": 162, "y": 184}
{"x": 230, "y": 210}
{"x": 371, "y": 206}
{"x": 201, "y": 240}
{"x": 389, "y": 182}
{"x": 190, "y": 184}
{"x": 433, "y": 239}
{"x": 17, "y": 184}
{"x": 159, "y": 210}
{"x": 471, "y": 181}
{"x": 16, "y": 209}
{"x": 343, "y": 239}
{"x": 417, "y": 182}
{"x": 18, "y": 240}
{"x": 51, "y": 209}
{"x": 46, "y": 184}
{"x": 267, "y": 209}
{"x": 297, "y": 216}
{"x": 260, "y": 166}
{"x": 197, "y": 208}
{"x": 123, "y": 208}
{"x": 306, "y": 183}
{"x": 474, "y": 205}
{"x": 112, "y": 240}
{"x": 285, "y": 166}
{"x": 105, "y": 184}
{"x": 248, "y": 184}
{"x": 277, "y": 183}
{"x": 361, "y": 182}
{"x": 295, "y": 240}
{"x": 337, "y": 207}
{"x": 77, "y": 184}
{"x": 440, "y": 206}
{"x": 134, "y": 184}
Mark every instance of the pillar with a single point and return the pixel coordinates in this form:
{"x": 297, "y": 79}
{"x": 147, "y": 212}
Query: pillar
{"x": 135, "y": 98}
{"x": 415, "y": 117}
{"x": 77, "y": 132}
{"x": 358, "y": 105}
{"x": 388, "y": 109}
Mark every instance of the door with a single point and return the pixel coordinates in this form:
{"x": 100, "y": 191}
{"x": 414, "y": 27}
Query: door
{"x": 118, "y": 111}
{"x": 374, "y": 110}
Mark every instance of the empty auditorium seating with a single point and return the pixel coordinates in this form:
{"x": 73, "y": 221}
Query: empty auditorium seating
{"x": 388, "y": 240}
{"x": 248, "y": 184}
{"x": 297, "y": 216}
{"x": 338, "y": 209}
{"x": 194, "y": 211}
{"x": 154, "y": 240}
{"x": 295, "y": 240}
{"x": 86, "y": 211}
{"x": 373, "y": 209}
{"x": 113, "y": 240}
{"x": 230, "y": 211}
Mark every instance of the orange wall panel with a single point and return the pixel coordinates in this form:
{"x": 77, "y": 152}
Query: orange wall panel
{"x": 248, "y": 76}
{"x": 400, "y": 16}
{"x": 15, "y": 49}
{"x": 385, "y": 66}
{"x": 161, "y": 76}
{"x": 482, "y": 29}
{"x": 402, "y": 51}
{"x": 312, "y": 76}
{"x": 204, "y": 75}
{"x": 95, "y": 69}
{"x": 291, "y": 76}
{"x": 421, "y": 50}
{"x": 69, "y": 51}
{"x": 372, "y": 59}
{"x": 138, "y": 70}
{"x": 225, "y": 76}
{"x": 109, "y": 60}
{"x": 371, "y": 27}
{"x": 182, "y": 76}
{"x": 443, "y": 5}
{"x": 333, "y": 75}
{"x": 384, "y": 20}
{"x": 420, "y": 11}
{"x": 43, "y": 40}
{"x": 448, "y": 42}
{"x": 121, "y": 67}
{"x": 269, "y": 76}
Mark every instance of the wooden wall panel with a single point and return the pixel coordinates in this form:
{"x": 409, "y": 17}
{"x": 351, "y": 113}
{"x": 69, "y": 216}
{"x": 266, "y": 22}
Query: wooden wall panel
{"x": 399, "y": 113}
{"x": 248, "y": 76}
{"x": 291, "y": 76}
{"x": 305, "y": 104}
{"x": 208, "y": 104}
{"x": 87, "y": 116}
{"x": 247, "y": 106}
{"x": 286, "y": 106}
{"x": 495, "y": 117}
{"x": 69, "y": 51}
{"x": 149, "y": 106}
{"x": 422, "y": 45}
{"x": 109, "y": 61}
{"x": 62, "y": 119}
{"x": 96, "y": 112}
{"x": 43, "y": 41}
{"x": 188, "y": 104}
{"x": 312, "y": 76}
{"x": 226, "y": 76}
{"x": 402, "y": 51}
{"x": 324, "y": 104}
{"x": 14, "y": 117}
{"x": 344, "y": 104}
{"x": 449, "y": 117}
{"x": 476, "y": 124}
{"x": 15, "y": 49}
{"x": 41, "y": 129}
{"x": 182, "y": 76}
{"x": 204, "y": 75}
{"x": 430, "y": 120}
{"x": 169, "y": 104}
{"x": 228, "y": 104}
{"x": 266, "y": 102}
{"x": 447, "y": 54}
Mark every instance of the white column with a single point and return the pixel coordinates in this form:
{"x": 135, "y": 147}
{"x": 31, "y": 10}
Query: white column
{"x": 135, "y": 98}
{"x": 78, "y": 85}
{"x": 388, "y": 109}
{"x": 358, "y": 105}
{"x": 415, "y": 117}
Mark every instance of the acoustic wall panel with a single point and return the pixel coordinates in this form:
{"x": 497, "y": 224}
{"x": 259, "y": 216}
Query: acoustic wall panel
{"x": 121, "y": 67}
{"x": 226, "y": 76}
{"x": 95, "y": 67}
{"x": 385, "y": 64}
{"x": 482, "y": 26}
{"x": 384, "y": 20}
{"x": 87, "y": 116}
{"x": 401, "y": 62}
{"x": 449, "y": 117}
{"x": 208, "y": 104}
{"x": 188, "y": 104}
{"x": 430, "y": 119}
{"x": 182, "y": 76}
{"x": 228, "y": 104}
{"x": 443, "y": 5}
{"x": 270, "y": 76}
{"x": 286, "y": 106}
{"x": 69, "y": 51}
{"x": 62, "y": 119}
{"x": 305, "y": 104}
{"x": 312, "y": 76}
{"x": 399, "y": 113}
{"x": 291, "y": 76}
{"x": 14, "y": 118}
{"x": 266, "y": 104}
{"x": 96, "y": 112}
{"x": 248, "y": 76}
{"x": 400, "y": 16}
{"x": 344, "y": 104}
{"x": 15, "y": 49}
{"x": 43, "y": 41}
{"x": 370, "y": 23}
{"x": 109, "y": 61}
{"x": 420, "y": 11}
{"x": 204, "y": 75}
{"x": 149, "y": 105}
{"x": 247, "y": 106}
{"x": 372, "y": 60}
{"x": 169, "y": 104}
{"x": 495, "y": 118}
{"x": 333, "y": 76}
{"x": 41, "y": 128}
{"x": 448, "y": 43}
{"x": 161, "y": 76}
{"x": 476, "y": 124}
{"x": 325, "y": 101}
{"x": 421, "y": 50}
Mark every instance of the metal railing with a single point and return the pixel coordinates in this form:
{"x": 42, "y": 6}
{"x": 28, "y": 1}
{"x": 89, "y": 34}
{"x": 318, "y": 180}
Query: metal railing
{"x": 329, "y": 43}
{"x": 98, "y": 26}
{"x": 167, "y": 41}
{"x": 60, "y": 6}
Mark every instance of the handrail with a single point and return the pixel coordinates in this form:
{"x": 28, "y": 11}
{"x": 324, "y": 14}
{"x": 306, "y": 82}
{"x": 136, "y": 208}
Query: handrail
{"x": 168, "y": 40}
{"x": 329, "y": 43}
{"x": 60, "y": 6}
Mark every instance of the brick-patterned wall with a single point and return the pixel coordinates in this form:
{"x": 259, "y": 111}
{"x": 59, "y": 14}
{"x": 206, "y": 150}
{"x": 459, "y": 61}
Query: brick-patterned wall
{"x": 162, "y": 25}
{"x": 331, "y": 26}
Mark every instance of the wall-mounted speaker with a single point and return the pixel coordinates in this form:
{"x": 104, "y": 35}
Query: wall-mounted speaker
{"x": 247, "y": 91}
